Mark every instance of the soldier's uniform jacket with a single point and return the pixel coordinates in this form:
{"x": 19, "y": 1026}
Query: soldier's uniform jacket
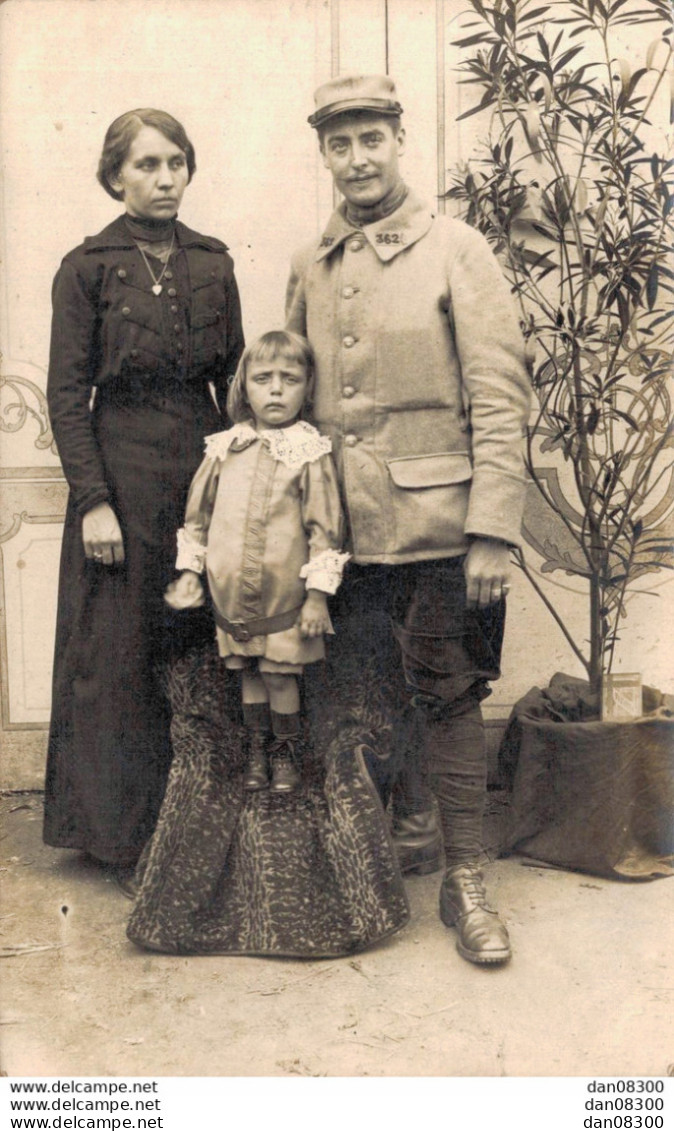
{"x": 421, "y": 381}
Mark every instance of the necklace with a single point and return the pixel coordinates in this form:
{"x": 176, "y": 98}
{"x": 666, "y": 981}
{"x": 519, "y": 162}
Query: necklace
{"x": 156, "y": 279}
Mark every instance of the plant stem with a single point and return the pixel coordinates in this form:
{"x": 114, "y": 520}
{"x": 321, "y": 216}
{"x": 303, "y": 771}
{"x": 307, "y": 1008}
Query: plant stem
{"x": 522, "y": 564}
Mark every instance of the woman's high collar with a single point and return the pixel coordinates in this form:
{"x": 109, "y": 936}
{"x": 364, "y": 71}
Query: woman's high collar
{"x": 152, "y": 231}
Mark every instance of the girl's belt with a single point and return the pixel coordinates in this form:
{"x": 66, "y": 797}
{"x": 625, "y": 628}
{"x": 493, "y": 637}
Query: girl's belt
{"x": 242, "y": 631}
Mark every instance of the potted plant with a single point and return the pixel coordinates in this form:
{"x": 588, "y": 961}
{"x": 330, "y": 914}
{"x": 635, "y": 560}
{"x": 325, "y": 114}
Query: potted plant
{"x": 571, "y": 190}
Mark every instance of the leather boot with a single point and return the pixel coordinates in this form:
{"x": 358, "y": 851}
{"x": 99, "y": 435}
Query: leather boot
{"x": 463, "y": 904}
{"x": 285, "y": 776}
{"x": 418, "y": 843}
{"x": 256, "y": 776}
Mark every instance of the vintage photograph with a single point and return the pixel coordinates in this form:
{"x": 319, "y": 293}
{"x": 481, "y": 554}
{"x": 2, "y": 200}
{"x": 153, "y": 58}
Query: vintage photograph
{"x": 336, "y": 516}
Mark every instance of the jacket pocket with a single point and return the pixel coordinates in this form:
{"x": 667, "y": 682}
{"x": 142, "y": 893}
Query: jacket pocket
{"x": 205, "y": 318}
{"x": 427, "y": 505}
{"x": 133, "y": 337}
{"x": 437, "y": 469}
{"x": 208, "y": 336}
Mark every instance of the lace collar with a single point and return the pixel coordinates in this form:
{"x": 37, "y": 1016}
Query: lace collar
{"x": 294, "y": 446}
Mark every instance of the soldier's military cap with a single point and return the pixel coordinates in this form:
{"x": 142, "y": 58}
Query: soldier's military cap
{"x": 376, "y": 93}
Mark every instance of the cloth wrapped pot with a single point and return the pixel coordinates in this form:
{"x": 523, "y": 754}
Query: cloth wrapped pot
{"x": 587, "y": 795}
{"x": 308, "y": 874}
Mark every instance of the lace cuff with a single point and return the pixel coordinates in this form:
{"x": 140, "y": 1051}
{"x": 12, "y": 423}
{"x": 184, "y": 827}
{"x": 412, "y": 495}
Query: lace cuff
{"x": 324, "y": 572}
{"x": 191, "y": 554}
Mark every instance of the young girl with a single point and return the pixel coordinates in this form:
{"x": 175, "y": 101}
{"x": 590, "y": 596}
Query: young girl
{"x": 264, "y": 520}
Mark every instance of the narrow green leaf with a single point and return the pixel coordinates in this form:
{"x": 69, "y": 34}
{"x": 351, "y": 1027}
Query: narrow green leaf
{"x": 470, "y": 40}
{"x": 566, "y": 58}
{"x": 652, "y": 286}
{"x": 651, "y": 52}
{"x": 527, "y": 17}
{"x": 488, "y": 100}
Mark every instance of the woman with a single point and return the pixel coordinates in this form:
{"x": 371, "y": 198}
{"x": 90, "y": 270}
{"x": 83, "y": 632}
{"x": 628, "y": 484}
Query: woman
{"x": 146, "y": 318}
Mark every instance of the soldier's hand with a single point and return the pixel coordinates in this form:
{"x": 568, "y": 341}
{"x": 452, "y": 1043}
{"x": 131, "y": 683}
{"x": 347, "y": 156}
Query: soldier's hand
{"x": 487, "y": 569}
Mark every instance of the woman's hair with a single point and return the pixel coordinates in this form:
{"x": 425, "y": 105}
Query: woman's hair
{"x": 276, "y": 343}
{"x": 123, "y": 132}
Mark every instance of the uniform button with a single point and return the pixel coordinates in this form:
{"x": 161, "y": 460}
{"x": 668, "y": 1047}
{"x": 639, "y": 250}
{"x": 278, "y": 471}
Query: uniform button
{"x": 126, "y": 310}
{"x": 177, "y": 327}
{"x": 168, "y": 274}
{"x": 356, "y": 245}
{"x": 348, "y": 342}
{"x": 350, "y": 440}
{"x": 134, "y": 353}
{"x": 174, "y": 310}
{"x": 121, "y": 274}
{"x": 348, "y": 391}
{"x": 172, "y": 292}
{"x": 348, "y": 292}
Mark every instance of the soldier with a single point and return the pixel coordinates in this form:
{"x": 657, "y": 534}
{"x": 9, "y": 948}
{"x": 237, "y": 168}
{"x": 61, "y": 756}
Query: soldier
{"x": 422, "y": 387}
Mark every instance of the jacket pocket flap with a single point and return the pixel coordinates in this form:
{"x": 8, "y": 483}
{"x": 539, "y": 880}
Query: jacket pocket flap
{"x": 205, "y": 318}
{"x": 439, "y": 469}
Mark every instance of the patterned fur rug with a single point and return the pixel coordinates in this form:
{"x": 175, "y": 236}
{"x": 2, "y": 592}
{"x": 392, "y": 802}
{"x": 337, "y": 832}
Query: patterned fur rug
{"x": 310, "y": 874}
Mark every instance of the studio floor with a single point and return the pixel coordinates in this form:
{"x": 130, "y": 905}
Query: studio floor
{"x": 589, "y": 991}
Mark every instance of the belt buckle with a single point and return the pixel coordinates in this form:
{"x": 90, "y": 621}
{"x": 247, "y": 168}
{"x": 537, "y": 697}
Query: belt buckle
{"x": 239, "y": 631}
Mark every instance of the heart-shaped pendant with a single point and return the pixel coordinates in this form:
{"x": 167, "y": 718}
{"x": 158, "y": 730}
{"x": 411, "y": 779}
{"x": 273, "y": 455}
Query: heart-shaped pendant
{"x": 157, "y": 289}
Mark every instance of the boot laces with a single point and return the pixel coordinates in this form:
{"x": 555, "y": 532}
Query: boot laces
{"x": 283, "y": 750}
{"x": 471, "y": 884}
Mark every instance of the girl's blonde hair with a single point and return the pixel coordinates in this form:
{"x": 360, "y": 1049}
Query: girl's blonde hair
{"x": 275, "y": 343}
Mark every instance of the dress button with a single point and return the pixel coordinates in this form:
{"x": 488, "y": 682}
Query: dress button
{"x": 350, "y": 440}
{"x": 356, "y": 245}
{"x": 177, "y": 327}
{"x": 348, "y": 391}
{"x": 126, "y": 310}
{"x": 348, "y": 292}
{"x": 174, "y": 310}
{"x": 348, "y": 342}
{"x": 121, "y": 274}
{"x": 134, "y": 353}
{"x": 179, "y": 346}
{"x": 168, "y": 274}
{"x": 172, "y": 292}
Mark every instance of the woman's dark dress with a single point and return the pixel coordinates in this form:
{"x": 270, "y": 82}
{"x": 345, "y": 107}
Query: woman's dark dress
{"x": 150, "y": 359}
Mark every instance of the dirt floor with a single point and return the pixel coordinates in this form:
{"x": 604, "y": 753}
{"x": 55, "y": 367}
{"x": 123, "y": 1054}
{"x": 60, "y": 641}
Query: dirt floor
{"x": 590, "y": 989}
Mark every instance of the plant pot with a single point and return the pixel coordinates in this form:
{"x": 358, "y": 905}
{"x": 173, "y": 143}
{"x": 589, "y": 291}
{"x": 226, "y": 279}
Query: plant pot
{"x": 587, "y": 795}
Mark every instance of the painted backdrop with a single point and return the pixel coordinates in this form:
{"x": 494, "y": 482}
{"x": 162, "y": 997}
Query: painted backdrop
{"x": 240, "y": 75}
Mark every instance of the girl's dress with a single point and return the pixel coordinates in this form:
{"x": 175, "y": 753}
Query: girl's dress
{"x": 149, "y": 359}
{"x": 264, "y": 514}
{"x": 307, "y": 874}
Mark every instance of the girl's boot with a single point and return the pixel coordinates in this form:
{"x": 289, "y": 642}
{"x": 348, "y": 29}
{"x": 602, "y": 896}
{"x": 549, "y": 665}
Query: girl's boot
{"x": 258, "y": 723}
{"x": 284, "y": 753}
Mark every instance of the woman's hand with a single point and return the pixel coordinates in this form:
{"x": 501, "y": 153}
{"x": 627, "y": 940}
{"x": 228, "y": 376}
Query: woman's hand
{"x": 186, "y": 592}
{"x": 487, "y": 570}
{"x": 102, "y": 536}
{"x": 314, "y": 620}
